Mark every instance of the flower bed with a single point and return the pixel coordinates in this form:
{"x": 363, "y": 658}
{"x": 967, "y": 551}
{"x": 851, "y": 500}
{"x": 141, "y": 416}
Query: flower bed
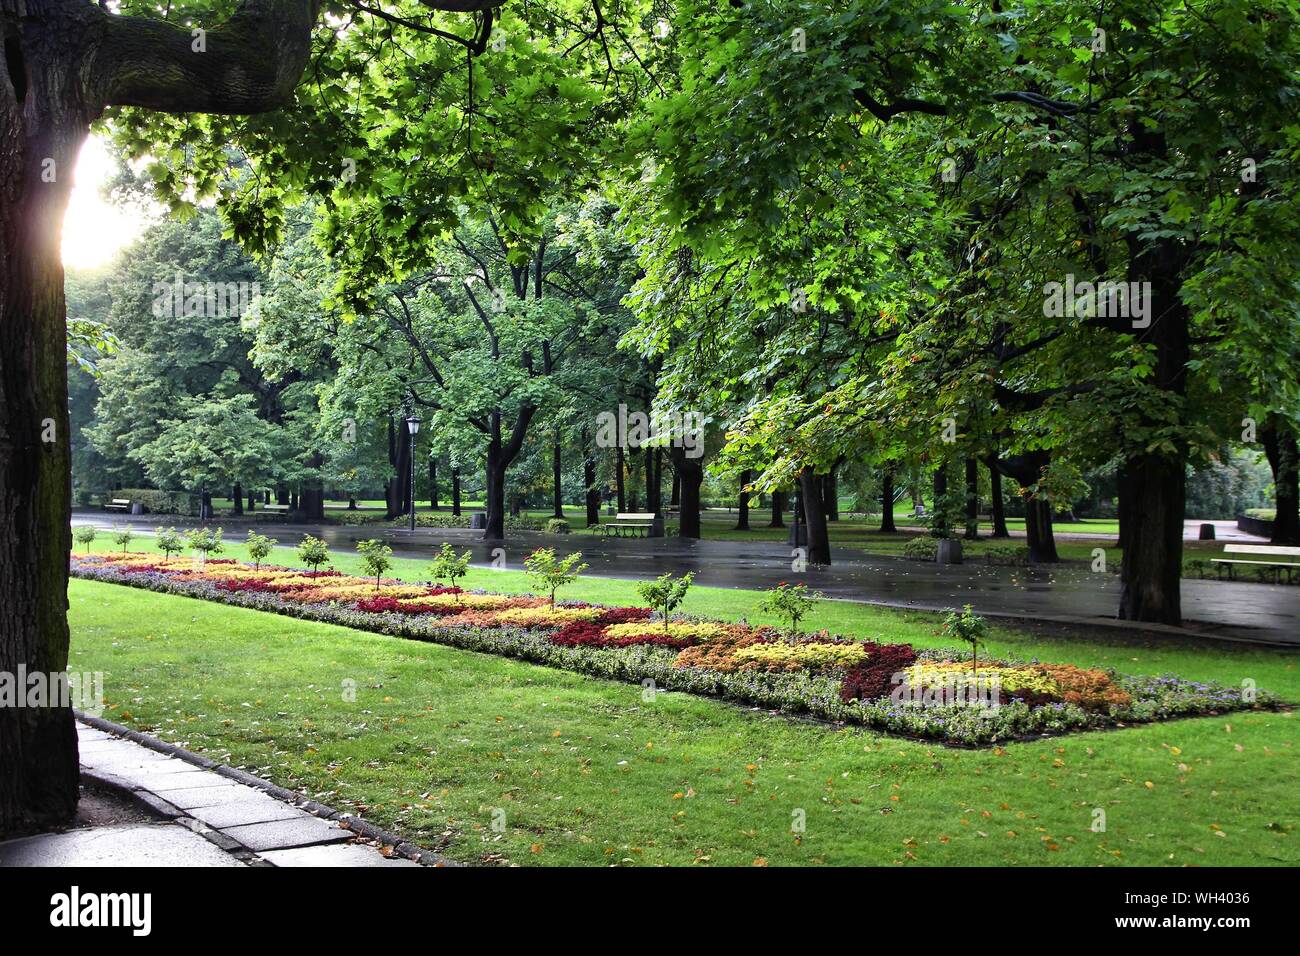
{"x": 891, "y": 687}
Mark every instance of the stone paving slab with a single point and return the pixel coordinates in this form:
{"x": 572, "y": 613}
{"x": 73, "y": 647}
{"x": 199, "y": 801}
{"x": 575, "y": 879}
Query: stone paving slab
{"x": 305, "y": 830}
{"x": 220, "y": 821}
{"x": 188, "y": 780}
{"x": 134, "y": 845}
{"x": 343, "y": 854}
{"x": 193, "y": 798}
{"x": 244, "y": 812}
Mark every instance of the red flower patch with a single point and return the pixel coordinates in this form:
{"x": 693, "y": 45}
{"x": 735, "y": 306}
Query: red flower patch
{"x": 623, "y": 615}
{"x": 873, "y": 678}
{"x": 591, "y": 634}
{"x": 381, "y": 605}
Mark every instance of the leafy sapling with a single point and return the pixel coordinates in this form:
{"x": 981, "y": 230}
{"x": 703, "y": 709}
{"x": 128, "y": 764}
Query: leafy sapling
{"x": 970, "y": 628}
{"x": 791, "y": 603}
{"x": 313, "y": 552}
{"x": 169, "y": 541}
{"x": 446, "y": 566}
{"x": 205, "y": 541}
{"x": 376, "y": 558}
{"x": 547, "y": 573}
{"x": 665, "y": 594}
{"x": 259, "y": 546}
{"x": 84, "y": 534}
{"x": 123, "y": 537}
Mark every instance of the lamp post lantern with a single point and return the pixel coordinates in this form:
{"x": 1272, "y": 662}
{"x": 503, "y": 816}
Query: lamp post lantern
{"x": 412, "y": 426}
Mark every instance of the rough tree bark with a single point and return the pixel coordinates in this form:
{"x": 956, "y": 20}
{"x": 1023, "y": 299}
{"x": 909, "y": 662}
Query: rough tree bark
{"x": 887, "y": 500}
{"x": 691, "y": 471}
{"x": 999, "y": 509}
{"x": 778, "y": 506}
{"x": 1027, "y": 469}
{"x": 812, "y": 505}
{"x": 500, "y": 454}
{"x": 742, "y": 502}
{"x": 592, "y": 493}
{"x": 62, "y": 62}
{"x": 557, "y": 489}
{"x": 972, "y": 500}
{"x": 1279, "y": 442}
{"x": 620, "y": 486}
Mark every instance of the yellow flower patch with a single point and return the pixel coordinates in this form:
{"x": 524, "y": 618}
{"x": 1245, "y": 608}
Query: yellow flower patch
{"x": 809, "y": 655}
{"x": 704, "y": 630}
{"x": 546, "y": 616}
{"x": 1012, "y": 679}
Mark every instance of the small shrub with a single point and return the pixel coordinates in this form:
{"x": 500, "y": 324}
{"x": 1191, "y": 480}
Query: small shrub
{"x": 447, "y": 566}
{"x": 968, "y": 627}
{"x": 664, "y": 594}
{"x": 549, "y": 573}
{"x": 789, "y": 603}
{"x": 313, "y": 552}
{"x": 376, "y": 558}
{"x": 557, "y": 526}
{"x": 259, "y": 546}
{"x": 84, "y": 534}
{"x": 169, "y": 541}
{"x": 205, "y": 541}
{"x": 921, "y": 549}
{"x": 123, "y": 537}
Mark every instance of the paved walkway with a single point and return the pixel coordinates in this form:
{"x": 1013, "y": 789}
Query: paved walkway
{"x": 1238, "y": 611}
{"x": 203, "y": 818}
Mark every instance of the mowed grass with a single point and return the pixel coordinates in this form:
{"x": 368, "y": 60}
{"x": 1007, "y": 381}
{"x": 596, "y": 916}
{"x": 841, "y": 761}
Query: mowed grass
{"x": 439, "y": 744}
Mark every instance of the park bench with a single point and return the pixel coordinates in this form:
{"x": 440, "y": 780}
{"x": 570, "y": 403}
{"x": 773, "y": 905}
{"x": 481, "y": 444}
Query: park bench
{"x": 276, "y": 509}
{"x": 631, "y": 522}
{"x": 1260, "y": 559}
{"x": 118, "y": 504}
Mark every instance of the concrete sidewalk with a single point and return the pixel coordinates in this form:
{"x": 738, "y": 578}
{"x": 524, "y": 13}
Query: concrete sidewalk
{"x": 199, "y": 818}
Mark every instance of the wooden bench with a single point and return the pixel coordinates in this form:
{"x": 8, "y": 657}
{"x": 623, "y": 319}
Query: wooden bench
{"x": 279, "y": 509}
{"x": 631, "y": 522}
{"x": 118, "y": 504}
{"x": 1261, "y": 559}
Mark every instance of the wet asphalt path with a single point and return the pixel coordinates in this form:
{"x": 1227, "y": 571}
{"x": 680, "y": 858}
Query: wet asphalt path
{"x": 1258, "y": 613}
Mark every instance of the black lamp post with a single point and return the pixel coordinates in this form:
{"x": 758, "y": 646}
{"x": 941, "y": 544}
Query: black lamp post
{"x": 413, "y": 426}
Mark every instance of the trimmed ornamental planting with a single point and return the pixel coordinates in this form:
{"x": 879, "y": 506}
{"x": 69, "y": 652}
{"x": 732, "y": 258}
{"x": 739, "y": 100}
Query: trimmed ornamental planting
{"x": 942, "y": 694}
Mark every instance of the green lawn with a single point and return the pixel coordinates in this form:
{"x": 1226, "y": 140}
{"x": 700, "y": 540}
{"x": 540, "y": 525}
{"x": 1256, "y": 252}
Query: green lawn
{"x": 587, "y": 772}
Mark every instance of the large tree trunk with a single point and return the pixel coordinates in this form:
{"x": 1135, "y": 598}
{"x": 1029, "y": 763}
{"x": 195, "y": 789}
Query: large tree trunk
{"x": 620, "y": 487}
{"x": 1283, "y": 458}
{"x": 831, "y": 496}
{"x": 313, "y": 493}
{"x": 939, "y": 517}
{"x": 455, "y": 491}
{"x": 812, "y": 504}
{"x": 557, "y": 490}
{"x": 778, "y": 506}
{"x": 500, "y": 454}
{"x": 591, "y": 494}
{"x": 675, "y": 498}
{"x": 742, "y": 502}
{"x": 38, "y": 745}
{"x": 1026, "y": 469}
{"x": 433, "y": 484}
{"x": 887, "y": 500}
{"x": 998, "y": 506}
{"x": 1151, "y": 505}
{"x": 972, "y": 500}
{"x": 237, "y": 496}
{"x": 691, "y": 471}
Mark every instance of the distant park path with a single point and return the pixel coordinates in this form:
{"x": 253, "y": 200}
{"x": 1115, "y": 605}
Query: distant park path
{"x": 1240, "y": 611}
